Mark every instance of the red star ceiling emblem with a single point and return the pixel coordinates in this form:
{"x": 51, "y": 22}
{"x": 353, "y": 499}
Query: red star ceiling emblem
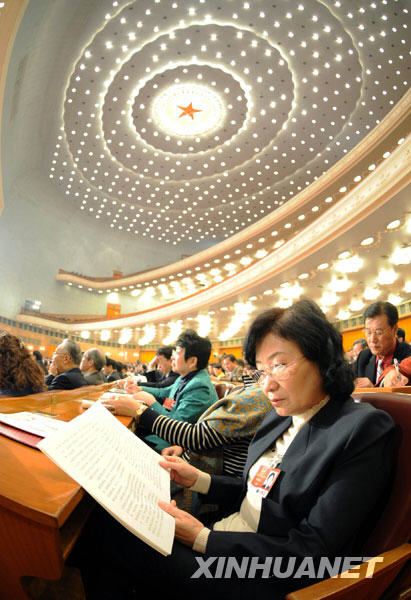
{"x": 188, "y": 110}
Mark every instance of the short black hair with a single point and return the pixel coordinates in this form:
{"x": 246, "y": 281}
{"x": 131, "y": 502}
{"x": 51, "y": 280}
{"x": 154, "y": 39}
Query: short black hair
{"x": 110, "y": 362}
{"x": 195, "y": 345}
{"x": 230, "y": 357}
{"x": 382, "y": 308}
{"x": 305, "y": 324}
{"x": 400, "y": 333}
{"x": 38, "y": 355}
{"x": 165, "y": 351}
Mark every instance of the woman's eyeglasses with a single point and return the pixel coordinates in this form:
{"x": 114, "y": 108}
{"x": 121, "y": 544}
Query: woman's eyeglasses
{"x": 279, "y": 371}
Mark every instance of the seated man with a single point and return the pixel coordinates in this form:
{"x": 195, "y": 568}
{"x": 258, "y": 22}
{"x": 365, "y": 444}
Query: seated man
{"x": 400, "y": 334}
{"x": 381, "y": 324}
{"x": 64, "y": 372}
{"x": 110, "y": 370}
{"x": 164, "y": 375}
{"x": 187, "y": 398}
{"x": 357, "y": 347}
{"x": 91, "y": 366}
{"x": 233, "y": 371}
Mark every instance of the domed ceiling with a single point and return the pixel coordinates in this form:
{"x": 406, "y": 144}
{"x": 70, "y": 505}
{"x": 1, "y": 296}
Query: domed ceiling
{"x": 213, "y": 125}
{"x": 192, "y": 120}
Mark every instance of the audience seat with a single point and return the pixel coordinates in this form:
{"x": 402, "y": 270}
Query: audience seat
{"x": 221, "y": 389}
{"x": 392, "y": 531}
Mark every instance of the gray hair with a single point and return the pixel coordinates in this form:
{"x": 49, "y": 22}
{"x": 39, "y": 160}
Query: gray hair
{"x": 361, "y": 341}
{"x": 97, "y": 357}
{"x": 73, "y": 350}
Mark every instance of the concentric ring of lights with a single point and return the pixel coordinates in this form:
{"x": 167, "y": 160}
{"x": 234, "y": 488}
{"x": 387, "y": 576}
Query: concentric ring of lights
{"x": 120, "y": 92}
{"x": 209, "y": 128}
{"x": 122, "y": 178}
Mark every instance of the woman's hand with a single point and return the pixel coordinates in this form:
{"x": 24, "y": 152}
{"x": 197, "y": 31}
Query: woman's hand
{"x": 130, "y": 387}
{"x": 121, "y": 405}
{"x": 187, "y": 526}
{"x": 180, "y": 471}
{"x": 172, "y": 451}
{"x": 145, "y": 397}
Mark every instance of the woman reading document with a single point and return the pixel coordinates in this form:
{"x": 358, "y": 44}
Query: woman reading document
{"x": 317, "y": 473}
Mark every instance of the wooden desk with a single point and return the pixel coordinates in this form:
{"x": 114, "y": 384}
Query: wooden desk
{"x": 42, "y": 510}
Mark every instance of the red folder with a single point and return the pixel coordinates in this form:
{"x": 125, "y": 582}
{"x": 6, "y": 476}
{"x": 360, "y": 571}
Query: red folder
{"x": 29, "y": 439}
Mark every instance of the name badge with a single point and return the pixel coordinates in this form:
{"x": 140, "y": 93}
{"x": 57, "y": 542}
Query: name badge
{"x": 264, "y": 480}
{"x": 169, "y": 403}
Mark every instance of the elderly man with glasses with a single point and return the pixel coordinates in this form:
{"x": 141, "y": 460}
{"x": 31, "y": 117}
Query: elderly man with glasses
{"x": 64, "y": 371}
{"x": 381, "y": 324}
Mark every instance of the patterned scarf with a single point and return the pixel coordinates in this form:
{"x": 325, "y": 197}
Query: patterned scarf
{"x": 237, "y": 416}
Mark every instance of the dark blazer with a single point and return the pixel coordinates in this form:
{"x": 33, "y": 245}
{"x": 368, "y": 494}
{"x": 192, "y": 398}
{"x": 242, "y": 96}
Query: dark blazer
{"x": 333, "y": 477}
{"x": 69, "y": 380}
{"x": 42, "y": 366}
{"x": 114, "y": 376}
{"x": 164, "y": 382}
{"x": 366, "y": 363}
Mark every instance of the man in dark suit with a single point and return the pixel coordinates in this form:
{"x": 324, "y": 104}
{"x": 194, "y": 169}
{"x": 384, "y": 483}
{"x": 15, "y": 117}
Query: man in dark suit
{"x": 110, "y": 370}
{"x": 64, "y": 372}
{"x": 91, "y": 366}
{"x": 163, "y": 375}
{"x": 381, "y": 325}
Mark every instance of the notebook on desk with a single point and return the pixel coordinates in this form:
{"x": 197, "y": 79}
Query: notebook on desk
{"x": 29, "y": 427}
{"x": 29, "y": 439}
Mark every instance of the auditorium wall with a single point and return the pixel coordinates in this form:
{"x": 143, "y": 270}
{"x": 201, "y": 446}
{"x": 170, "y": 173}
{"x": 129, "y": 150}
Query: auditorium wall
{"x": 40, "y": 234}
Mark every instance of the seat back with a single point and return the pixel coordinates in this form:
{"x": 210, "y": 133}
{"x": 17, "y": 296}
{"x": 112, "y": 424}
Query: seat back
{"x": 394, "y": 525}
{"x": 221, "y": 389}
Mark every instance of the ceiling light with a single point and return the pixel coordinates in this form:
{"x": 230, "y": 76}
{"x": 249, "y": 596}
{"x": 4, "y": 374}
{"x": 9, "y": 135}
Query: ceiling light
{"x": 343, "y": 314}
{"x": 349, "y": 265}
{"x": 105, "y": 335}
{"x": 340, "y": 284}
{"x": 149, "y": 332}
{"x": 371, "y": 293}
{"x": 329, "y": 299}
{"x": 386, "y": 276}
{"x": 395, "y": 299}
{"x": 356, "y": 305}
{"x": 401, "y": 256}
{"x": 113, "y": 298}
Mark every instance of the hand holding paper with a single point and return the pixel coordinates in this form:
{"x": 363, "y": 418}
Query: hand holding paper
{"x": 119, "y": 470}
